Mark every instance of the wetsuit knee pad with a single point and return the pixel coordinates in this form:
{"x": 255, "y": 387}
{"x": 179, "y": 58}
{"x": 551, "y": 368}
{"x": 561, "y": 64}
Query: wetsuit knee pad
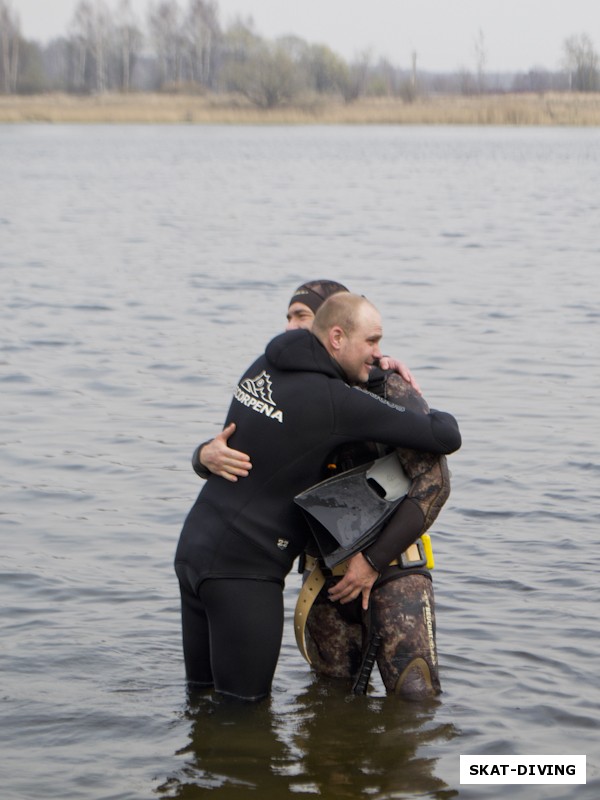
{"x": 416, "y": 681}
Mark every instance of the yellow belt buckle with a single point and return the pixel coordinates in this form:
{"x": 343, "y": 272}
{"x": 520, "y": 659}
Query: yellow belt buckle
{"x": 419, "y": 554}
{"x": 426, "y": 539}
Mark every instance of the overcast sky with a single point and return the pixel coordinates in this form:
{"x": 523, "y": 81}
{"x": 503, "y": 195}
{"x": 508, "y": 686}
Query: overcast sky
{"x": 517, "y": 34}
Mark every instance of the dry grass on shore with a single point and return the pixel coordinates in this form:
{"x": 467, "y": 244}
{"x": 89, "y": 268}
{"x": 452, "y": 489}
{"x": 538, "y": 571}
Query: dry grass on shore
{"x": 147, "y": 108}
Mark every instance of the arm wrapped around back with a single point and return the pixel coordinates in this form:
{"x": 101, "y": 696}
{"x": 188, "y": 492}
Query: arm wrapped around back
{"x": 429, "y": 490}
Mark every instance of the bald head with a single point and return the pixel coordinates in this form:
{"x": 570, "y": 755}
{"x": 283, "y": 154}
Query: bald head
{"x": 350, "y": 329}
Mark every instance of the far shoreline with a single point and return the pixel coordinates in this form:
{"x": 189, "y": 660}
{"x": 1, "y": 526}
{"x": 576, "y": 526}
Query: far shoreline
{"x": 550, "y": 109}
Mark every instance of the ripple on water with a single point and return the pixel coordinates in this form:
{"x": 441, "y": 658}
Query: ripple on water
{"x": 122, "y": 341}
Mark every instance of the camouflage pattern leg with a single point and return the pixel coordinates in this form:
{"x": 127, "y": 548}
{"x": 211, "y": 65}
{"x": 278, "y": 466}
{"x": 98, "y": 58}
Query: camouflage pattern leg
{"x": 333, "y": 642}
{"x": 402, "y": 613}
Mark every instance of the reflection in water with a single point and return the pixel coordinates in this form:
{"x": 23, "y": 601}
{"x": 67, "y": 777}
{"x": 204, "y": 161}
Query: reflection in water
{"x": 327, "y": 743}
{"x": 233, "y": 747}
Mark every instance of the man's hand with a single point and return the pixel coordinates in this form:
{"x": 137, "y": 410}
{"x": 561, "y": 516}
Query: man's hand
{"x": 222, "y": 460}
{"x": 386, "y": 362}
{"x": 359, "y": 579}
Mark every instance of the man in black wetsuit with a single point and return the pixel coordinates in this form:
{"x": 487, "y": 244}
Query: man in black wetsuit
{"x": 291, "y": 408}
{"x": 333, "y": 633}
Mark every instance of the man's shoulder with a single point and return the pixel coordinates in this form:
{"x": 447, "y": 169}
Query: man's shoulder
{"x": 300, "y": 351}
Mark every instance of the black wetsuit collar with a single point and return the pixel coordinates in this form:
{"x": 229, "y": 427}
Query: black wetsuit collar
{"x": 302, "y": 351}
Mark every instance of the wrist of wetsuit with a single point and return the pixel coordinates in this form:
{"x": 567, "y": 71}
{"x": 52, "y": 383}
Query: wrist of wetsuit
{"x": 198, "y": 466}
{"x": 405, "y": 526}
{"x": 370, "y": 562}
{"x": 445, "y": 429}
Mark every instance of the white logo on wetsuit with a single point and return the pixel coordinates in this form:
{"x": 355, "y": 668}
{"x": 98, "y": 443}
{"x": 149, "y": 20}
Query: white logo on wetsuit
{"x": 259, "y": 387}
{"x": 381, "y": 399}
{"x": 255, "y": 393}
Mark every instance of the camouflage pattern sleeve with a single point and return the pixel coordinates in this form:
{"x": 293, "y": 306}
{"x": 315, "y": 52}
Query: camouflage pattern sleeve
{"x": 429, "y": 472}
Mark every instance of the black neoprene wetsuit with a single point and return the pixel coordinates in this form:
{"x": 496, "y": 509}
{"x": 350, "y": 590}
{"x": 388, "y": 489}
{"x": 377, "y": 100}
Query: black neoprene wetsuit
{"x": 292, "y": 407}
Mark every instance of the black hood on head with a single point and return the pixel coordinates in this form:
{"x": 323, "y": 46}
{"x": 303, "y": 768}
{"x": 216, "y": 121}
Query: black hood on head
{"x": 314, "y": 293}
{"x": 300, "y": 351}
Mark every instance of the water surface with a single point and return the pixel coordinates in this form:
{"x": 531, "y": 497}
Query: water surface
{"x": 142, "y": 268}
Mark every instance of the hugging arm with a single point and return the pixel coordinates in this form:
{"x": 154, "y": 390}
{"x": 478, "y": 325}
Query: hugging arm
{"x": 429, "y": 489}
{"x": 389, "y": 363}
{"x": 215, "y": 457}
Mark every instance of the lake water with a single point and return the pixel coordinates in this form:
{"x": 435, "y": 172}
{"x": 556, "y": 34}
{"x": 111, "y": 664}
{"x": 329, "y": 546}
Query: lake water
{"x": 142, "y": 268}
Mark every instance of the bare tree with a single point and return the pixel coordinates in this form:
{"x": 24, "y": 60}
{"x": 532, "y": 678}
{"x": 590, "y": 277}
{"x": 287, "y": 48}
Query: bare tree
{"x": 101, "y": 43}
{"x": 480, "y": 53}
{"x": 201, "y": 32}
{"x": 268, "y": 79}
{"x": 91, "y": 30}
{"x": 166, "y": 29}
{"x": 240, "y": 44}
{"x": 581, "y": 62}
{"x": 241, "y": 40}
{"x": 357, "y": 77}
{"x": 128, "y": 40}
{"x": 326, "y": 71}
{"x": 10, "y": 35}
{"x": 78, "y": 38}
{"x": 58, "y": 64}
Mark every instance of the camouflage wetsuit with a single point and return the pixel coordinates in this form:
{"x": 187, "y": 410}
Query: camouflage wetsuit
{"x": 402, "y": 604}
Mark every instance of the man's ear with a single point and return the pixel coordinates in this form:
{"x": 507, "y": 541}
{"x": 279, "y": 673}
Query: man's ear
{"x": 336, "y": 334}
